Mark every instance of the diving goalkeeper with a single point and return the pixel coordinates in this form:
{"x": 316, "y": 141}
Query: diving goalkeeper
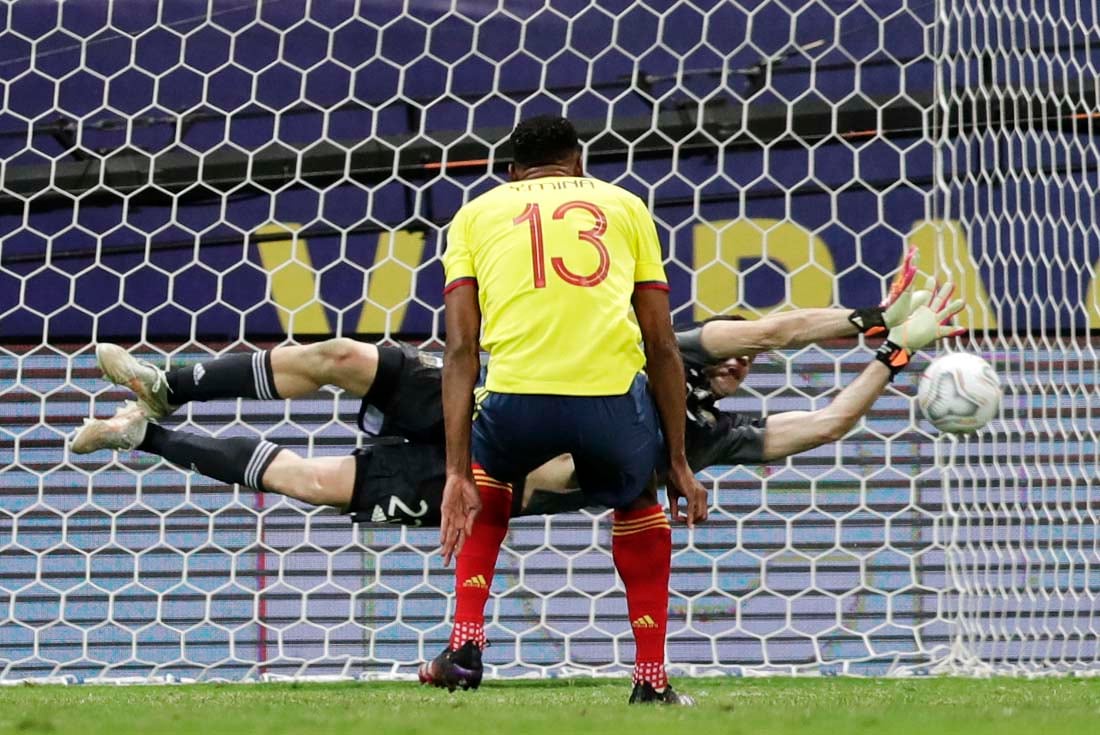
{"x": 397, "y": 477}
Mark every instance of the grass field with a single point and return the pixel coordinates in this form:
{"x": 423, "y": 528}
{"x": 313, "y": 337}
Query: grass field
{"x": 727, "y": 706}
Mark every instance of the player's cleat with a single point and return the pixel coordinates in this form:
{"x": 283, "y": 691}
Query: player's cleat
{"x": 146, "y": 381}
{"x": 453, "y": 669}
{"x": 644, "y": 693}
{"x": 124, "y": 430}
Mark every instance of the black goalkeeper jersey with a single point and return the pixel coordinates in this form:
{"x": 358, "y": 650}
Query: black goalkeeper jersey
{"x": 713, "y": 436}
{"x": 405, "y": 459}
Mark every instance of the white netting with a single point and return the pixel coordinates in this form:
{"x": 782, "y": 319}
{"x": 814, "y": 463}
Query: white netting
{"x": 197, "y": 178}
{"x": 1017, "y": 165}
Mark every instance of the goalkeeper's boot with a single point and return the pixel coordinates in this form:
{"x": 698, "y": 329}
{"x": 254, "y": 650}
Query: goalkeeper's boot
{"x": 124, "y": 430}
{"x": 453, "y": 669}
{"x": 644, "y": 693}
{"x": 146, "y": 380}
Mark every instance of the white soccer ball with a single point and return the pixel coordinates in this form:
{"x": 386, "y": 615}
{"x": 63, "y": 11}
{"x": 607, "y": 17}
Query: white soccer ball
{"x": 959, "y": 393}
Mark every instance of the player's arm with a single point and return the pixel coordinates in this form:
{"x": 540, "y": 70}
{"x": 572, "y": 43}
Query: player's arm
{"x": 666, "y": 378}
{"x": 461, "y": 365}
{"x": 721, "y": 339}
{"x": 792, "y": 432}
{"x": 664, "y": 366}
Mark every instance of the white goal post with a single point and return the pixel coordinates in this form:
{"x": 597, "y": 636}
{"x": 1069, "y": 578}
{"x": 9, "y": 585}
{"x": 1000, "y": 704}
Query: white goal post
{"x": 193, "y": 180}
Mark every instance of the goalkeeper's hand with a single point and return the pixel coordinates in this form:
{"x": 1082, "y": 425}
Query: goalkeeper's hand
{"x": 893, "y": 310}
{"x": 930, "y": 313}
{"x": 897, "y": 304}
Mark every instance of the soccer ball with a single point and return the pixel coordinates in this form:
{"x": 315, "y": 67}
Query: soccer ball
{"x": 959, "y": 393}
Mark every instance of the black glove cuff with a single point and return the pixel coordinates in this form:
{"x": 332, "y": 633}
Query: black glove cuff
{"x": 869, "y": 321}
{"x": 892, "y": 356}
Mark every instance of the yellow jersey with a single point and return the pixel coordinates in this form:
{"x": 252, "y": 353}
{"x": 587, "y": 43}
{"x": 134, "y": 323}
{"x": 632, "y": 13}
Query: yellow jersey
{"x": 556, "y": 261}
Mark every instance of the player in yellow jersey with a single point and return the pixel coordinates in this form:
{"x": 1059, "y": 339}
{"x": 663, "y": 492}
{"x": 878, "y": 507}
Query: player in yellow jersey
{"x": 548, "y": 269}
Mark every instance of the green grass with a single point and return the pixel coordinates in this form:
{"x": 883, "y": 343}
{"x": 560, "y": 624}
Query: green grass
{"x": 727, "y": 706}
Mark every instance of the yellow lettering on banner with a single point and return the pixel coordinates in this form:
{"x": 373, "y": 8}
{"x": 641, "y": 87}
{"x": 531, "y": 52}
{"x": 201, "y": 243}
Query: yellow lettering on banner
{"x": 390, "y": 282}
{"x": 293, "y": 281}
{"x": 720, "y": 246}
{"x": 945, "y": 253}
{"x": 1092, "y": 298}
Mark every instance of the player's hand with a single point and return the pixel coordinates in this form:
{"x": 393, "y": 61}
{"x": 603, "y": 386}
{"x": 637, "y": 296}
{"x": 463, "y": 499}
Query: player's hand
{"x": 681, "y": 483}
{"x": 876, "y": 321}
{"x": 897, "y": 304}
{"x": 931, "y": 312}
{"x": 460, "y": 506}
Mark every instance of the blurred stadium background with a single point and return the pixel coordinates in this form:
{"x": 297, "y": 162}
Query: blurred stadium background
{"x": 193, "y": 177}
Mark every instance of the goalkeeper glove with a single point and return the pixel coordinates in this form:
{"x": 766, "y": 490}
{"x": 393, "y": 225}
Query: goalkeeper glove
{"x": 929, "y": 319}
{"x": 877, "y": 320}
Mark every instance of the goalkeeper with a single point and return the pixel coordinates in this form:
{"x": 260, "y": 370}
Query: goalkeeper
{"x": 398, "y": 476}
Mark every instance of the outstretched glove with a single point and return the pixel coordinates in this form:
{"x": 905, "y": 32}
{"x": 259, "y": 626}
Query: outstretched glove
{"x": 877, "y": 320}
{"x": 929, "y": 319}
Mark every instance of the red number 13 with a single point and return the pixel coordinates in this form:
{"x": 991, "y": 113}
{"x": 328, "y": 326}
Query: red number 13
{"x": 533, "y": 217}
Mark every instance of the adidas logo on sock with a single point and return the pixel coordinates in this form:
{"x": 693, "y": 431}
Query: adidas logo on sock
{"x": 198, "y": 372}
{"x": 378, "y": 515}
{"x": 478, "y": 581}
{"x": 644, "y": 622}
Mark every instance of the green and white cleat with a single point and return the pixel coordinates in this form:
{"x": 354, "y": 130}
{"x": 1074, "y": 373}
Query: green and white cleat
{"x": 147, "y": 381}
{"x": 124, "y": 430}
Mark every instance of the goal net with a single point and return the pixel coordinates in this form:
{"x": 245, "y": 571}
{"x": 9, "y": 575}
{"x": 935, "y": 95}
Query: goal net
{"x": 190, "y": 179}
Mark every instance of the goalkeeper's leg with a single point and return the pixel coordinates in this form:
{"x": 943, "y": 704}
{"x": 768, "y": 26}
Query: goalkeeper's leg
{"x": 246, "y": 461}
{"x": 284, "y": 372}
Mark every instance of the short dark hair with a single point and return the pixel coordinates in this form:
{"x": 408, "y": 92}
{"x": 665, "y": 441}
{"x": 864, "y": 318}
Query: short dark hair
{"x": 542, "y": 140}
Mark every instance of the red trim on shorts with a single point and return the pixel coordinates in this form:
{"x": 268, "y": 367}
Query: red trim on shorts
{"x": 656, "y": 285}
{"x": 459, "y": 282}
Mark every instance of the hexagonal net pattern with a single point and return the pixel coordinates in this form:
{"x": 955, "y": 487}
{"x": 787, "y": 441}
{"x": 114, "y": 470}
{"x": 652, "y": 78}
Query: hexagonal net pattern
{"x": 1017, "y": 170}
{"x": 196, "y": 179}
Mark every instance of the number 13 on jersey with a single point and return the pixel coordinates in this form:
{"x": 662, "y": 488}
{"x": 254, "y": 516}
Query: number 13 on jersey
{"x": 532, "y": 215}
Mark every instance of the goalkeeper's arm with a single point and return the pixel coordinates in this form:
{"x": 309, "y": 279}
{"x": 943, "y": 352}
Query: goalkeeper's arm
{"x": 722, "y": 338}
{"x": 792, "y": 432}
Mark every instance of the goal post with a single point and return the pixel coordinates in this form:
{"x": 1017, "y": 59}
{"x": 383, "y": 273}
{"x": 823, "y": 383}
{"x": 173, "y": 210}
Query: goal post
{"x": 198, "y": 180}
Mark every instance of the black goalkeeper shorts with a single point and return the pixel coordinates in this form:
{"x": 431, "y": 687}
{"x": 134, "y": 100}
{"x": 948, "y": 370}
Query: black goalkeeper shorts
{"x": 398, "y": 483}
{"x": 408, "y": 391}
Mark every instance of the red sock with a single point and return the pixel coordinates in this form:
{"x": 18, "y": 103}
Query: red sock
{"x": 641, "y": 544}
{"x": 475, "y": 565}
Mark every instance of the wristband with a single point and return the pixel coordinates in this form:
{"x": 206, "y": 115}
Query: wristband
{"x": 869, "y": 321}
{"x": 893, "y": 356}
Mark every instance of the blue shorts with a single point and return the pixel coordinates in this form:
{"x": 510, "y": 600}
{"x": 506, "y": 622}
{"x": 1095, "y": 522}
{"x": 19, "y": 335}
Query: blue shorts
{"x": 615, "y": 441}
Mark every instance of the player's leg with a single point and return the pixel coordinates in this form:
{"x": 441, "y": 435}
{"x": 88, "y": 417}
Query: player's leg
{"x": 284, "y": 372}
{"x": 313, "y": 480}
{"x": 345, "y": 363}
{"x": 641, "y": 547}
{"x": 508, "y": 442}
{"x": 246, "y": 461}
{"x": 616, "y": 466}
{"x": 459, "y": 665}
